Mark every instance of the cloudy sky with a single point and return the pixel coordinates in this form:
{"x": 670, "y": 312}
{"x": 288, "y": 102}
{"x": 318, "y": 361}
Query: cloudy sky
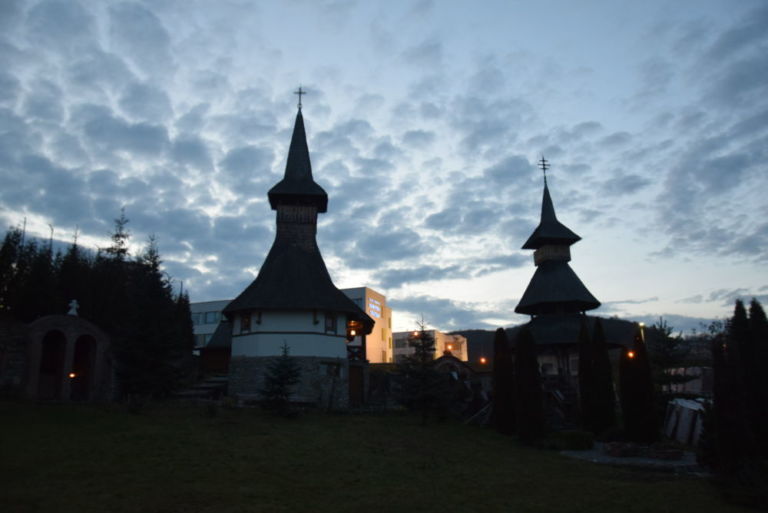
{"x": 425, "y": 120}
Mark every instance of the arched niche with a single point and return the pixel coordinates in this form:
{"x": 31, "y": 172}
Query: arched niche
{"x": 51, "y": 369}
{"x": 82, "y": 373}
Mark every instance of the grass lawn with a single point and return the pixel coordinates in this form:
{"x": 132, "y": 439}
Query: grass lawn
{"x": 84, "y": 459}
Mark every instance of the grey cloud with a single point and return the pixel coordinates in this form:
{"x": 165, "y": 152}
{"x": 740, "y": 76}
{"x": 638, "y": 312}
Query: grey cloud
{"x": 450, "y": 313}
{"x": 488, "y": 123}
{"x": 383, "y": 244}
{"x": 244, "y": 128}
{"x": 587, "y": 128}
{"x": 194, "y": 119}
{"x": 59, "y": 25}
{"x": 499, "y": 263}
{"x": 248, "y": 167}
{"x": 110, "y": 134}
{"x": 386, "y": 150}
{"x": 145, "y": 102}
{"x": 193, "y": 151}
{"x": 10, "y": 12}
{"x": 10, "y": 89}
{"x": 508, "y": 170}
{"x": 44, "y": 102}
{"x": 68, "y": 150}
{"x": 679, "y": 323}
{"x": 444, "y": 219}
{"x": 395, "y": 278}
{"x": 99, "y": 72}
{"x": 625, "y": 184}
{"x": 140, "y": 34}
{"x": 429, "y": 52}
{"x": 749, "y": 32}
{"x": 615, "y": 139}
{"x": 418, "y": 138}
{"x": 142, "y": 138}
{"x": 742, "y": 83}
{"x": 209, "y": 82}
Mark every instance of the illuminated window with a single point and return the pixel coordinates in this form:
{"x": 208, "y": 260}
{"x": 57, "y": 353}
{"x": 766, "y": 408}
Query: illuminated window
{"x": 330, "y": 323}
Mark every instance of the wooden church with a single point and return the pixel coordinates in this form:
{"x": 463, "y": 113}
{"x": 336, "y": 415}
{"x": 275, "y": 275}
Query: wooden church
{"x": 293, "y": 301}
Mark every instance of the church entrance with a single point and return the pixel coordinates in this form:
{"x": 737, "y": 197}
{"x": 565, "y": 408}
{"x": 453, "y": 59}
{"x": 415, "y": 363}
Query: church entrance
{"x": 51, "y": 365}
{"x": 81, "y": 377}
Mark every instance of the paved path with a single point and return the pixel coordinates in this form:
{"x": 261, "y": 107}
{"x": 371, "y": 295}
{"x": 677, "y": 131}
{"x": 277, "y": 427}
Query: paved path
{"x": 685, "y": 465}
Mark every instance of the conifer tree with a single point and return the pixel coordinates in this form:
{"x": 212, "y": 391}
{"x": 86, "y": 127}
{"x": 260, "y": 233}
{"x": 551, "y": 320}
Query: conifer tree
{"x": 758, "y": 382}
{"x": 736, "y": 453}
{"x": 586, "y": 376}
{"x": 636, "y": 392}
{"x": 282, "y": 374}
{"x": 604, "y": 395}
{"x": 421, "y": 388}
{"x": 10, "y": 252}
{"x": 503, "y": 384}
{"x": 529, "y": 407}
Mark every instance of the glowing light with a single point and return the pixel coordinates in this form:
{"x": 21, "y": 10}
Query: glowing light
{"x": 415, "y": 333}
{"x": 352, "y": 332}
{"x": 631, "y": 354}
{"x": 642, "y": 325}
{"x": 450, "y": 347}
{"x": 72, "y": 375}
{"x": 483, "y": 360}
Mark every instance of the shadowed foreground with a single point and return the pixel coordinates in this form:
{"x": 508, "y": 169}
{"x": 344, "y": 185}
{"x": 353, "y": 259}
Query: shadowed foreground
{"x": 83, "y": 458}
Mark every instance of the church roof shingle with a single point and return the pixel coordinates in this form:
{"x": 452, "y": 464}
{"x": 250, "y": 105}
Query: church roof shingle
{"x": 555, "y": 287}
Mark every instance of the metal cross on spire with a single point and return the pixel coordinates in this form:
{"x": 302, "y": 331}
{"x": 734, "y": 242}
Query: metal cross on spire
{"x": 300, "y": 92}
{"x": 544, "y": 165}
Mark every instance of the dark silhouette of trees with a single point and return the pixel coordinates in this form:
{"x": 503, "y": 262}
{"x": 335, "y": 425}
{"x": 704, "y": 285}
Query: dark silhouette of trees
{"x": 733, "y": 440}
{"x": 503, "y": 384}
{"x": 596, "y": 394}
{"x": 131, "y": 299}
{"x": 586, "y": 375}
{"x": 529, "y": 407}
{"x": 638, "y": 407}
{"x": 755, "y": 375}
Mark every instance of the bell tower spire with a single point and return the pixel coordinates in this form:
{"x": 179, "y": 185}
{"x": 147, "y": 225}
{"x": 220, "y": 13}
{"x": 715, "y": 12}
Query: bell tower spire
{"x": 554, "y": 288}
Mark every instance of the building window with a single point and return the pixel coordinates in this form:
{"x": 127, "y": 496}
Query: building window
{"x": 212, "y": 317}
{"x": 197, "y": 318}
{"x": 245, "y": 323}
{"x": 330, "y": 323}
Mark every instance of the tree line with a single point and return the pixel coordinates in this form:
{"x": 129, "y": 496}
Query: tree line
{"x": 130, "y": 297}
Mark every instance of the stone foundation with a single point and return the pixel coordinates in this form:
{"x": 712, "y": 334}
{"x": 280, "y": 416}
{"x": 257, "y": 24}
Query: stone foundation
{"x": 324, "y": 381}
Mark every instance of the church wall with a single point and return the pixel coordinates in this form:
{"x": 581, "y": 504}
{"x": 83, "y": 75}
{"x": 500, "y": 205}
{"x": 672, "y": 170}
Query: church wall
{"x": 324, "y": 381}
{"x": 303, "y": 332}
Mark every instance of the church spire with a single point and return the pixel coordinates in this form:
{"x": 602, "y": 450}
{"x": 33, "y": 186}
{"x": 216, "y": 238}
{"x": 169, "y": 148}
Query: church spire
{"x": 554, "y": 287}
{"x": 297, "y": 186}
{"x": 550, "y": 230}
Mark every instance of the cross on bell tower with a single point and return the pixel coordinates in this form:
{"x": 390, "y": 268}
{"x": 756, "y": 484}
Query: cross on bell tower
{"x": 544, "y": 165}
{"x": 300, "y": 92}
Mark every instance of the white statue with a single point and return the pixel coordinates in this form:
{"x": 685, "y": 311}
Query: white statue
{"x": 73, "y": 306}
